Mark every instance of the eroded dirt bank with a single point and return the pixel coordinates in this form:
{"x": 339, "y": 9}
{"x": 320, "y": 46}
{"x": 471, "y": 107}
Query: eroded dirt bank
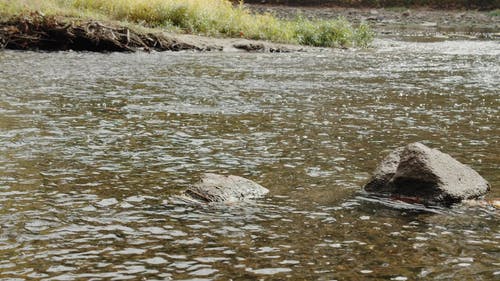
{"x": 47, "y": 33}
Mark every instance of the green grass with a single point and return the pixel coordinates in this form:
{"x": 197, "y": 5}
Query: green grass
{"x": 495, "y": 13}
{"x": 218, "y": 18}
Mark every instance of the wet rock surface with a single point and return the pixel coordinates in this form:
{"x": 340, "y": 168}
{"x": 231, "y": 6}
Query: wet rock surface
{"x": 384, "y": 172}
{"x": 214, "y": 188}
{"x": 430, "y": 175}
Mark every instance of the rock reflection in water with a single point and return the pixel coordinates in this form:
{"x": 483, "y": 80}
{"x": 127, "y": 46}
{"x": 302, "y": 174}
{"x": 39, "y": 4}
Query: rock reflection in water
{"x": 93, "y": 144}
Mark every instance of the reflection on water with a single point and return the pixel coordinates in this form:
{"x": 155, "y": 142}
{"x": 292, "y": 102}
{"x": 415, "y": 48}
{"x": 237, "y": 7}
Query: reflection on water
{"x": 92, "y": 145}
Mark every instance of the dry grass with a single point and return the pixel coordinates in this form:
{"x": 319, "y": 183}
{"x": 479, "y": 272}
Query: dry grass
{"x": 208, "y": 17}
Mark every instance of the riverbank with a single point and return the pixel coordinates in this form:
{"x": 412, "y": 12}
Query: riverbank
{"x": 85, "y": 30}
{"x": 50, "y": 33}
{"x": 120, "y": 26}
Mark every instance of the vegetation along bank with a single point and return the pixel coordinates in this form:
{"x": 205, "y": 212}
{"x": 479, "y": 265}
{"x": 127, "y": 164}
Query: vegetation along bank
{"x": 128, "y": 25}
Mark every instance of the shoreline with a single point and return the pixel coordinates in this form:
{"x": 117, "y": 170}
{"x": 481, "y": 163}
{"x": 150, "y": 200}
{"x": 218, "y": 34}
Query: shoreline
{"x": 48, "y": 33}
{"x": 55, "y": 33}
{"x": 99, "y": 25}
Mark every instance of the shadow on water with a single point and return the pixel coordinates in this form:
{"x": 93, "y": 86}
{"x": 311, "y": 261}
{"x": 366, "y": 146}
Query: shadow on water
{"x": 412, "y": 208}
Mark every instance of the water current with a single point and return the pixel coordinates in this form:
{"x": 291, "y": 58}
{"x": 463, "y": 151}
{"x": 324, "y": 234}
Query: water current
{"x": 92, "y": 146}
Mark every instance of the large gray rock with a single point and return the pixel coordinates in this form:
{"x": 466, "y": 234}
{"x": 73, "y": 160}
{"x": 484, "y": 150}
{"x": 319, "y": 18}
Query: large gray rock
{"x": 417, "y": 171}
{"x": 213, "y": 188}
{"x": 384, "y": 172}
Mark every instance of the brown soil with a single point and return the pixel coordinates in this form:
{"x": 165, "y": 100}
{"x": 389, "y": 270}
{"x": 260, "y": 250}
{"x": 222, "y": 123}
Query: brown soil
{"x": 39, "y": 32}
{"x": 49, "y": 33}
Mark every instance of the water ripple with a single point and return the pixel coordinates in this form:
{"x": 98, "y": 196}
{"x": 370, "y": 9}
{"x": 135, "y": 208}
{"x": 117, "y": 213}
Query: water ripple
{"x": 91, "y": 154}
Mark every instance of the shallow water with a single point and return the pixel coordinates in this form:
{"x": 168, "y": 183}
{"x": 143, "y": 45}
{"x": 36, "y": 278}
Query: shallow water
{"x": 92, "y": 145}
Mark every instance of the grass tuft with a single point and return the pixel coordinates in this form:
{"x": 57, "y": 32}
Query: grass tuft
{"x": 495, "y": 13}
{"x": 208, "y": 17}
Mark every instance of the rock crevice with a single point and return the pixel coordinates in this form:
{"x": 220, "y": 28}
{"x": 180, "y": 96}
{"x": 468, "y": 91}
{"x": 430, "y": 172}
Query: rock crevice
{"x": 430, "y": 175}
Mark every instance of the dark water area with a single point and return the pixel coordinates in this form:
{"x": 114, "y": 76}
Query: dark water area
{"x": 93, "y": 145}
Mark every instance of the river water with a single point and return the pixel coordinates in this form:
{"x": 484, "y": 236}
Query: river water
{"x": 92, "y": 146}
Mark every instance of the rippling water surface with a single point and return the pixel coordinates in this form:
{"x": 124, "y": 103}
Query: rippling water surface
{"x": 92, "y": 145}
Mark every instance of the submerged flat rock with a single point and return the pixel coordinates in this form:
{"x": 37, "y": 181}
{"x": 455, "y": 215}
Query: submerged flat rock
{"x": 214, "y": 188}
{"x": 430, "y": 175}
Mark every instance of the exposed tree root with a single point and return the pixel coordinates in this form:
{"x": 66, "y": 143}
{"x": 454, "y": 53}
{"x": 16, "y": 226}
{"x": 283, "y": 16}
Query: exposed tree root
{"x": 39, "y": 32}
{"x": 49, "y": 33}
